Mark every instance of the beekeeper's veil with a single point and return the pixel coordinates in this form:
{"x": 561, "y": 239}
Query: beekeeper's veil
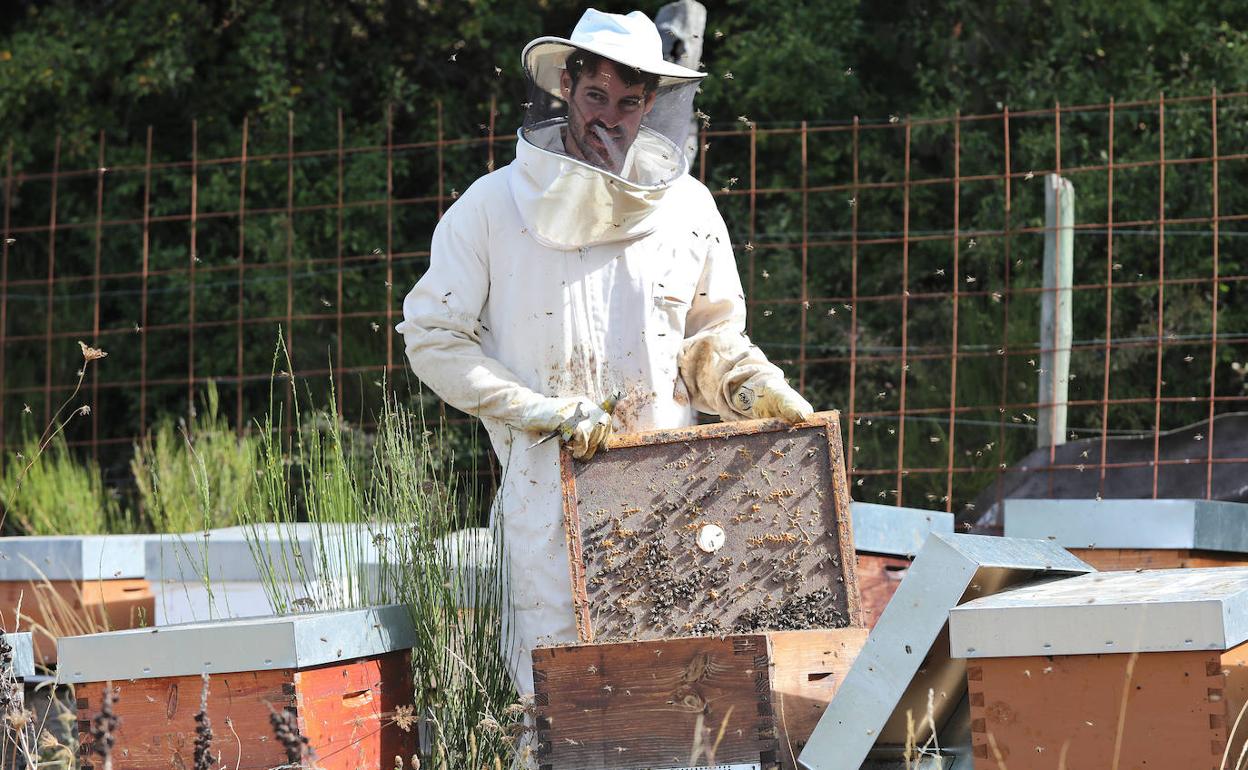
{"x": 606, "y": 98}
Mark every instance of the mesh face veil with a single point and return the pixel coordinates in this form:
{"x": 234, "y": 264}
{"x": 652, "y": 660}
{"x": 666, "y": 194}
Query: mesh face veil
{"x": 626, "y": 122}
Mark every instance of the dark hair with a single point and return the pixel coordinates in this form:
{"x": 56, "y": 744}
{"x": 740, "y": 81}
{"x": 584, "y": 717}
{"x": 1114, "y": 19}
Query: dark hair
{"x": 591, "y": 64}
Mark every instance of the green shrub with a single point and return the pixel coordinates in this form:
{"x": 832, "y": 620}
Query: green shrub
{"x": 54, "y": 493}
{"x": 196, "y": 478}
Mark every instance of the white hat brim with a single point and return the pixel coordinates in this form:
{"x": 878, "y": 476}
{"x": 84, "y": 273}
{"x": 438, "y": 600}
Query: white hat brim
{"x": 544, "y": 59}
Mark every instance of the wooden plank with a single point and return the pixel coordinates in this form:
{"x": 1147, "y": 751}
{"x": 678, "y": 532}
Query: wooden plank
{"x": 1117, "y": 559}
{"x": 157, "y": 729}
{"x": 778, "y": 492}
{"x": 878, "y": 579}
{"x": 1063, "y": 711}
{"x": 346, "y": 711}
{"x": 807, "y": 669}
{"x": 635, "y": 705}
{"x": 69, "y": 608}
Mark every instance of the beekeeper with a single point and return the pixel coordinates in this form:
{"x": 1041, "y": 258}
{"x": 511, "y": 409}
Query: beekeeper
{"x": 592, "y": 264}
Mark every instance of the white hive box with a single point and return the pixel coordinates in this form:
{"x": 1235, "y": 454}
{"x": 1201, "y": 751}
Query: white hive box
{"x": 906, "y": 655}
{"x": 1129, "y": 668}
{"x": 73, "y": 584}
{"x": 218, "y": 573}
{"x": 1134, "y": 534}
{"x": 886, "y": 538}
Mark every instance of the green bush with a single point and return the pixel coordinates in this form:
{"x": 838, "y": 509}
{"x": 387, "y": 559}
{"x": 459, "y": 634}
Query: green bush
{"x": 197, "y": 477}
{"x": 55, "y": 493}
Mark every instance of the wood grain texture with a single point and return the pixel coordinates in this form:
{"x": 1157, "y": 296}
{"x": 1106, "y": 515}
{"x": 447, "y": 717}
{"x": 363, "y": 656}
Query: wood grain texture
{"x": 633, "y": 705}
{"x": 878, "y": 579}
{"x": 1111, "y": 559}
{"x": 157, "y": 730}
{"x": 778, "y": 491}
{"x": 346, "y": 711}
{"x": 68, "y": 607}
{"x": 1037, "y": 710}
{"x": 807, "y": 669}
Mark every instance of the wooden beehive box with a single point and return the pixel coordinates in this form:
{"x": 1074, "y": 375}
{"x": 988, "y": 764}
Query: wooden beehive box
{"x": 904, "y": 671}
{"x": 73, "y": 584}
{"x": 1126, "y": 669}
{"x": 1137, "y": 534}
{"x": 776, "y": 496}
{"x": 632, "y": 705}
{"x": 342, "y": 674}
{"x": 218, "y": 574}
{"x": 886, "y": 538}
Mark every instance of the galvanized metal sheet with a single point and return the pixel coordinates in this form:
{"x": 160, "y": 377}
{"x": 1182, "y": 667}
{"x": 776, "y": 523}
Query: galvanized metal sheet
{"x": 71, "y": 557}
{"x": 1201, "y": 524}
{"x": 894, "y": 530}
{"x": 234, "y": 553}
{"x": 23, "y": 653}
{"x": 1108, "y": 612}
{"x": 239, "y": 644}
{"x": 905, "y": 656}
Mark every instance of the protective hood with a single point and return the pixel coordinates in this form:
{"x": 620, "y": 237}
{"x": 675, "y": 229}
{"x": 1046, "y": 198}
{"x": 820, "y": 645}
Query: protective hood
{"x": 568, "y": 204}
{"x": 604, "y": 131}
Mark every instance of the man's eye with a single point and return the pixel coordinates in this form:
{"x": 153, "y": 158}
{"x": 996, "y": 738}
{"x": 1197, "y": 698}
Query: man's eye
{"x": 594, "y": 96}
{"x": 630, "y": 104}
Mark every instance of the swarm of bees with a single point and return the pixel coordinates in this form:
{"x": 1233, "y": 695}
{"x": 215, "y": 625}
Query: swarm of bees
{"x": 778, "y": 568}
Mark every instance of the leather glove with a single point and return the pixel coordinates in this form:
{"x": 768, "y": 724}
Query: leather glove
{"x": 772, "y": 397}
{"x": 580, "y": 423}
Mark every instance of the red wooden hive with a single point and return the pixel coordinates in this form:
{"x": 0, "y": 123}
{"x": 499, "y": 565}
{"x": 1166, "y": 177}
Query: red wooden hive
{"x": 344, "y": 675}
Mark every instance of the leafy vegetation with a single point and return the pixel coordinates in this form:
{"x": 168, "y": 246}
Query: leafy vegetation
{"x": 397, "y": 529}
{"x": 56, "y": 493}
{"x": 194, "y": 477}
{"x": 429, "y": 71}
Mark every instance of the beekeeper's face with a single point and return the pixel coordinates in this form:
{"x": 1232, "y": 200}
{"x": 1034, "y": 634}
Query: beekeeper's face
{"x": 604, "y": 112}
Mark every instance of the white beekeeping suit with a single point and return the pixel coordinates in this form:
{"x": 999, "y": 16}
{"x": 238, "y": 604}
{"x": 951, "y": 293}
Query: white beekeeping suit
{"x": 592, "y": 264}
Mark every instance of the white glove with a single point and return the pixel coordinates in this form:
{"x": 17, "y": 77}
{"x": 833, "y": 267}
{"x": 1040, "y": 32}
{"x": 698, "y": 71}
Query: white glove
{"x": 772, "y": 397}
{"x": 583, "y": 425}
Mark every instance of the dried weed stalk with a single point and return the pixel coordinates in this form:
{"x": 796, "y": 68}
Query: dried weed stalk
{"x": 204, "y": 758}
{"x": 286, "y": 730}
{"x": 104, "y": 727}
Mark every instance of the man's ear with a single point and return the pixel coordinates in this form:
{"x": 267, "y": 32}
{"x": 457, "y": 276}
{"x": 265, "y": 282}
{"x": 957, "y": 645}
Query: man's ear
{"x": 565, "y": 85}
{"x": 650, "y": 98}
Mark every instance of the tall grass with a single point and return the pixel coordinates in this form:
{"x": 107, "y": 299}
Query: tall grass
{"x": 399, "y": 527}
{"x": 168, "y": 464}
{"x": 45, "y": 490}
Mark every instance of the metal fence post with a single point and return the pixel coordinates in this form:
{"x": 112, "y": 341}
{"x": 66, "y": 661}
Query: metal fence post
{"x": 1055, "y": 309}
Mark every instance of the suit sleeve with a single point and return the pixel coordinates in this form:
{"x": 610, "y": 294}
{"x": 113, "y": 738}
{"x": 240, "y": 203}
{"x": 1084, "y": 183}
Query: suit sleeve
{"x": 441, "y": 324}
{"x": 717, "y": 357}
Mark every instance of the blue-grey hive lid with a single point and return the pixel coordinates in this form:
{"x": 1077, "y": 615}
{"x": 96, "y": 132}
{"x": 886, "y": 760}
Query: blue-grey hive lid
{"x": 1164, "y": 610}
{"x": 237, "y": 644}
{"x": 72, "y": 557}
{"x": 1210, "y": 525}
{"x": 895, "y": 530}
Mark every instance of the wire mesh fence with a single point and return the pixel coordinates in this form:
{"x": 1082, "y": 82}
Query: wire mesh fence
{"x": 894, "y": 267}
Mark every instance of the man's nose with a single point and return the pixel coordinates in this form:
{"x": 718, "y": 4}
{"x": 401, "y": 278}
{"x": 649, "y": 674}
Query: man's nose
{"x": 609, "y": 117}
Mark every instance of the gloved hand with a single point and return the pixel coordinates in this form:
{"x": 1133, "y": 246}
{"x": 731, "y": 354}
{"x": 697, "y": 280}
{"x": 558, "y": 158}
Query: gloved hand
{"x": 772, "y": 397}
{"x": 583, "y": 425}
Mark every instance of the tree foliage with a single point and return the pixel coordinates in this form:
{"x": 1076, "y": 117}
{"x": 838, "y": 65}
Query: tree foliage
{"x": 75, "y": 70}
